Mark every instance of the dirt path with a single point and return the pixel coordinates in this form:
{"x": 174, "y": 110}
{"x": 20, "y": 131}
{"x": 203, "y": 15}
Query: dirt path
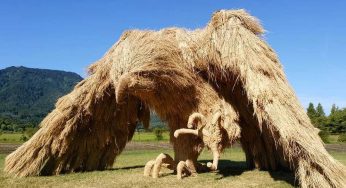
{"x": 336, "y": 147}
{"x": 6, "y": 148}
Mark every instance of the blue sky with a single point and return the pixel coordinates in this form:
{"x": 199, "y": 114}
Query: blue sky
{"x": 309, "y": 36}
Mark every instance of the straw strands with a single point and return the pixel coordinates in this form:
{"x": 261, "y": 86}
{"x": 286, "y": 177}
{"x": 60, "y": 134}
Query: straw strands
{"x": 224, "y": 68}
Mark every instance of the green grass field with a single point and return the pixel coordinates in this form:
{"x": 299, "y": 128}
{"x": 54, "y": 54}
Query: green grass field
{"x": 129, "y": 166}
{"x": 333, "y": 139}
{"x": 148, "y": 137}
{"x": 128, "y": 172}
{"x": 138, "y": 137}
{"x": 10, "y": 138}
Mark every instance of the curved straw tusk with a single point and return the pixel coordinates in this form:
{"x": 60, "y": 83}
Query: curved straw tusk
{"x": 121, "y": 89}
{"x": 195, "y": 118}
{"x": 185, "y": 131}
{"x": 216, "y": 157}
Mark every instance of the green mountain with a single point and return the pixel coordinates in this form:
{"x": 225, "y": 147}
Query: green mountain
{"x": 28, "y": 94}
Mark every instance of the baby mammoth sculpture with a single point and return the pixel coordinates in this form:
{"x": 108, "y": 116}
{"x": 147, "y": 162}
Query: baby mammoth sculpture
{"x": 216, "y": 134}
{"x": 225, "y": 72}
{"x": 217, "y": 131}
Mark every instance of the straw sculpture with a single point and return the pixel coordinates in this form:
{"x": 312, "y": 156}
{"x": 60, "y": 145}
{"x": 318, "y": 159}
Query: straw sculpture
{"x": 224, "y": 78}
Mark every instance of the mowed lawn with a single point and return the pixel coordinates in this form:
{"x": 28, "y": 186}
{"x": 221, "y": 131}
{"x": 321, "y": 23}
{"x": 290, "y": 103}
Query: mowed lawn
{"x": 149, "y": 136}
{"x": 10, "y": 138}
{"x": 128, "y": 172}
{"x": 138, "y": 137}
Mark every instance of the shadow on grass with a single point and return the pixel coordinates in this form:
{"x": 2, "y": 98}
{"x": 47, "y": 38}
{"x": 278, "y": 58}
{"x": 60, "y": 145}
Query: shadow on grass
{"x": 231, "y": 168}
{"x": 127, "y": 167}
{"x": 285, "y": 175}
{"x": 235, "y": 168}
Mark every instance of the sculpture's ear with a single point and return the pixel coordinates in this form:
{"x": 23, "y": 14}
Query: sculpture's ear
{"x": 230, "y": 18}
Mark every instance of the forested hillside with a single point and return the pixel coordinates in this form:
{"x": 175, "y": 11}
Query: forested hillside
{"x": 28, "y": 94}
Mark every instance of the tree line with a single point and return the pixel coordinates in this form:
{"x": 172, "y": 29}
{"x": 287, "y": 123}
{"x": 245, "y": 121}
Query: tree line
{"x": 8, "y": 124}
{"x": 334, "y": 123}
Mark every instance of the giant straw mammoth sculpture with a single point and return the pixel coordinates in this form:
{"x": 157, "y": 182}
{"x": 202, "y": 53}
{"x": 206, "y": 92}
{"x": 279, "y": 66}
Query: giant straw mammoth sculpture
{"x": 176, "y": 73}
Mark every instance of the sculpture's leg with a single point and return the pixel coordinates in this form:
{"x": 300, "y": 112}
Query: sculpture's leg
{"x": 181, "y": 169}
{"x": 162, "y": 160}
{"x": 154, "y": 166}
{"x": 148, "y": 167}
{"x": 185, "y": 155}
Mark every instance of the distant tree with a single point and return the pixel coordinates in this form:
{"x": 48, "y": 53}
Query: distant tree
{"x": 3, "y": 127}
{"x": 320, "y": 111}
{"x": 317, "y": 116}
{"x": 334, "y": 109}
{"x": 324, "y": 135}
{"x": 320, "y": 120}
{"x": 158, "y": 133}
{"x": 29, "y": 132}
{"x": 337, "y": 121}
{"x": 311, "y": 111}
{"x": 23, "y": 138}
